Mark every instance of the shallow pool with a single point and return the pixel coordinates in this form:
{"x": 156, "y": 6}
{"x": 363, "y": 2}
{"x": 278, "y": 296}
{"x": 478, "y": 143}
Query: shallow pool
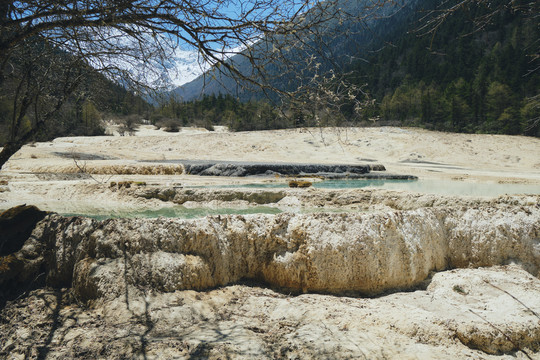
{"x": 440, "y": 187}
{"x": 178, "y": 212}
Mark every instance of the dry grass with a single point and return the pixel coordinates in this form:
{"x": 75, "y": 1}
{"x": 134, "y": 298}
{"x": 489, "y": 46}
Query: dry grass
{"x": 136, "y": 169}
{"x": 6, "y": 263}
{"x": 300, "y": 184}
{"x": 159, "y": 169}
{"x": 126, "y": 184}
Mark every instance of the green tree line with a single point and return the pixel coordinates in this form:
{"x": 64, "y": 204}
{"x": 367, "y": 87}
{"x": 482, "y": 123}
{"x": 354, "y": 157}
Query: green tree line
{"x": 36, "y": 80}
{"x": 460, "y": 79}
{"x": 219, "y": 109}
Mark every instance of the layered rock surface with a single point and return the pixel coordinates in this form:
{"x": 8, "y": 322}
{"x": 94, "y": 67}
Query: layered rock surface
{"x": 366, "y": 253}
{"x": 485, "y": 313}
{"x": 333, "y": 199}
{"x": 231, "y": 168}
{"x": 150, "y": 288}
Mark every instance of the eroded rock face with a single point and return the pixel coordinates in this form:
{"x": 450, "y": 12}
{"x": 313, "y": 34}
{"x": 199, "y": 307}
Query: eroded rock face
{"x": 20, "y": 256}
{"x": 150, "y": 283}
{"x": 209, "y": 168}
{"x": 454, "y": 318}
{"x": 330, "y": 253}
{"x": 16, "y": 224}
{"x": 181, "y": 196}
{"x": 365, "y": 199}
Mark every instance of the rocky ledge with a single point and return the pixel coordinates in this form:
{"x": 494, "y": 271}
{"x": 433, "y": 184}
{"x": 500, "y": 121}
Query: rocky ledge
{"x": 153, "y": 285}
{"x": 241, "y": 169}
{"x": 363, "y": 253}
{"x": 231, "y": 168}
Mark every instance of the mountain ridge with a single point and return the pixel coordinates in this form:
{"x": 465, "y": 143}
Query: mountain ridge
{"x": 344, "y": 41}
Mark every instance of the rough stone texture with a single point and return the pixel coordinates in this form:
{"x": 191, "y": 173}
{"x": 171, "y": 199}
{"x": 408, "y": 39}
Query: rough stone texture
{"x": 16, "y": 224}
{"x": 181, "y": 196}
{"x": 367, "y": 253}
{"x": 204, "y": 168}
{"x": 463, "y": 314}
{"x": 364, "y": 199}
{"x": 497, "y": 331}
{"x": 20, "y": 255}
{"x": 149, "y": 288}
{"x": 241, "y": 169}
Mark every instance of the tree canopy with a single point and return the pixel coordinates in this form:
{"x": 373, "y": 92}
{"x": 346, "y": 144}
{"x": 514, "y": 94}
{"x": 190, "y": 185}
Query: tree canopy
{"x": 48, "y": 48}
{"x": 132, "y": 39}
{"x": 478, "y": 73}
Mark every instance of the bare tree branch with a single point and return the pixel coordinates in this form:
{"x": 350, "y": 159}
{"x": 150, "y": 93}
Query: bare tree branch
{"x": 133, "y": 41}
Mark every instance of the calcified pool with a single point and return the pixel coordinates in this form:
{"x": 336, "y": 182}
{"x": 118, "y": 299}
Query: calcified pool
{"x": 182, "y": 212}
{"x": 175, "y": 212}
{"x": 440, "y": 187}
{"x": 232, "y": 199}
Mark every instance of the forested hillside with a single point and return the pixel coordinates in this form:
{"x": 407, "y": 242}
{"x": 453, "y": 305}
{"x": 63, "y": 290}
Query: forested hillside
{"x": 477, "y": 71}
{"x": 328, "y": 46}
{"x": 459, "y": 78}
{"x": 36, "y": 83}
{"x": 223, "y": 110}
{"x": 386, "y": 69}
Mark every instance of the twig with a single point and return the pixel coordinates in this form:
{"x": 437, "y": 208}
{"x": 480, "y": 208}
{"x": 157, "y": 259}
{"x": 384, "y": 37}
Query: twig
{"x": 515, "y": 298}
{"x": 83, "y": 170}
{"x": 503, "y": 333}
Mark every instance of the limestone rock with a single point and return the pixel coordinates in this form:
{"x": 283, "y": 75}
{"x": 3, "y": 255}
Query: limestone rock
{"x": 21, "y": 256}
{"x": 249, "y": 321}
{"x": 366, "y": 253}
{"x": 478, "y": 298}
{"x": 16, "y": 224}
{"x": 209, "y": 168}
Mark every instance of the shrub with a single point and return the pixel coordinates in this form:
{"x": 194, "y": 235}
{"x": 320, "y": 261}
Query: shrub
{"x": 299, "y": 184}
{"x": 170, "y": 125}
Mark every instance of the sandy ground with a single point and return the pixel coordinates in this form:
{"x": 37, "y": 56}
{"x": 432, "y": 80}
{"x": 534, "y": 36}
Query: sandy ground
{"x": 35, "y": 173}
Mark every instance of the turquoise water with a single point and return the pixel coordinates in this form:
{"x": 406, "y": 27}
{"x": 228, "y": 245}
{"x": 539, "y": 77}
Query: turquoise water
{"x": 439, "y": 187}
{"x": 359, "y": 183}
{"x": 179, "y": 212}
{"x": 270, "y": 185}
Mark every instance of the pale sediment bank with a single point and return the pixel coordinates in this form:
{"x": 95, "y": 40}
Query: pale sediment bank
{"x": 153, "y": 288}
{"x": 454, "y": 318}
{"x": 222, "y": 169}
{"x": 324, "y": 171}
{"x": 153, "y": 285}
{"x": 423, "y": 153}
{"x": 366, "y": 253}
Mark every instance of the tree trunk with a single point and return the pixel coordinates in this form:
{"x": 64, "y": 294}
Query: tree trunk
{"x": 13, "y": 146}
{"x": 8, "y": 151}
